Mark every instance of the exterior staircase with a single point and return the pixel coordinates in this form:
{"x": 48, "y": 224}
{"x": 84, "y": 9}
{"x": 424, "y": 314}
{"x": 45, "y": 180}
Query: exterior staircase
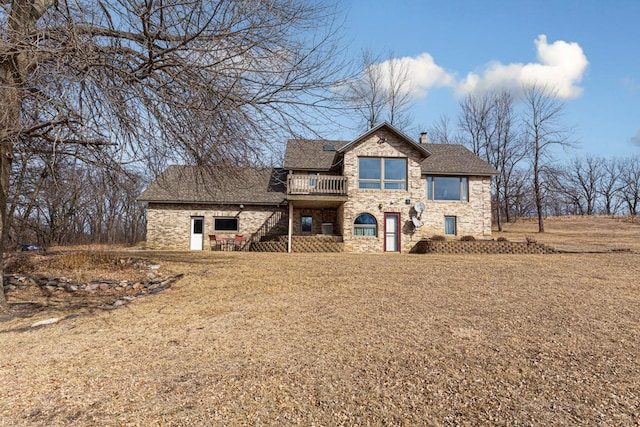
{"x": 316, "y": 243}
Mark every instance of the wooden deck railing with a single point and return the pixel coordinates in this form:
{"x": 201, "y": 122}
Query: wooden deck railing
{"x": 317, "y": 184}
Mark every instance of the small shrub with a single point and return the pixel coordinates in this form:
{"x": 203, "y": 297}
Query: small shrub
{"x": 502, "y": 239}
{"x": 467, "y": 239}
{"x": 438, "y": 238}
{"x": 531, "y": 240}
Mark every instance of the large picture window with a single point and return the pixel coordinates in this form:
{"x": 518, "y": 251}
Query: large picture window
{"x": 448, "y": 188}
{"x": 365, "y": 225}
{"x": 376, "y": 173}
{"x": 225, "y": 224}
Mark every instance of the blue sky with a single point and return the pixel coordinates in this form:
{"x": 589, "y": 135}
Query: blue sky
{"x": 589, "y": 49}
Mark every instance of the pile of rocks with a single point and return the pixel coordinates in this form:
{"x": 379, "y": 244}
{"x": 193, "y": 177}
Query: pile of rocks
{"x": 154, "y": 282}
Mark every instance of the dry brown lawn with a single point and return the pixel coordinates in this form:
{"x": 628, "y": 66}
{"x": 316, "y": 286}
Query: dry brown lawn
{"x": 345, "y": 339}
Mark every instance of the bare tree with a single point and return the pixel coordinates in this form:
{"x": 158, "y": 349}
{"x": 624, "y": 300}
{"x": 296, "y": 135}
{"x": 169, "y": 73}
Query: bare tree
{"x": 580, "y": 181}
{"x": 488, "y": 125}
{"x": 398, "y": 93}
{"x": 505, "y": 151}
{"x": 367, "y": 93}
{"x": 630, "y": 184}
{"x": 442, "y": 132}
{"x": 544, "y": 130}
{"x": 475, "y": 123}
{"x": 611, "y": 186}
{"x": 207, "y": 83}
{"x": 382, "y": 92}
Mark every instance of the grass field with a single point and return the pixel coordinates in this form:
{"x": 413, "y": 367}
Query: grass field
{"x": 347, "y": 339}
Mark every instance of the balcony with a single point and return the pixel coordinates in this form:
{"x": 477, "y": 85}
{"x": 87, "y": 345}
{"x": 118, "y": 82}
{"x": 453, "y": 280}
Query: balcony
{"x": 316, "y": 185}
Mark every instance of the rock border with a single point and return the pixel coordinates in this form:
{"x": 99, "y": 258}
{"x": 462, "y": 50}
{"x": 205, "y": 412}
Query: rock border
{"x": 154, "y": 283}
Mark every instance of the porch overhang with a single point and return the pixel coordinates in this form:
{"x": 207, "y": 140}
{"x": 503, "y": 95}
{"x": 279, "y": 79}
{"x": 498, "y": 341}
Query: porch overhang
{"x": 315, "y": 202}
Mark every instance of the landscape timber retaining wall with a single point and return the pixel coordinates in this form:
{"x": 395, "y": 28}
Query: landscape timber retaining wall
{"x": 427, "y": 246}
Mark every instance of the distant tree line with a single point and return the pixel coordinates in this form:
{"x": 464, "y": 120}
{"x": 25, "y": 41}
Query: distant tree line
{"x": 66, "y": 201}
{"x": 523, "y": 136}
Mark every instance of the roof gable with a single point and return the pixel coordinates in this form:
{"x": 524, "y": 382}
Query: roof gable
{"x": 386, "y": 126}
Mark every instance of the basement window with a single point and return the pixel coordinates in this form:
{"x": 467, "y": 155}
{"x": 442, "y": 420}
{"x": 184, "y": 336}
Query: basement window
{"x": 307, "y": 224}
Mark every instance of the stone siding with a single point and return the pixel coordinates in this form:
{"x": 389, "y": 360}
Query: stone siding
{"x": 472, "y": 217}
{"x": 318, "y": 217}
{"x": 169, "y": 225}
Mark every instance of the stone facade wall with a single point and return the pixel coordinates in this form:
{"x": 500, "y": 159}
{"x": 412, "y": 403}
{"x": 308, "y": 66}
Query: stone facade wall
{"x": 319, "y": 217}
{"x": 169, "y": 225}
{"x": 472, "y": 217}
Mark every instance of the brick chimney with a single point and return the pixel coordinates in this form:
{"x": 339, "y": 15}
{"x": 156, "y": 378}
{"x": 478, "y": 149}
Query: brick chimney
{"x": 424, "y": 139}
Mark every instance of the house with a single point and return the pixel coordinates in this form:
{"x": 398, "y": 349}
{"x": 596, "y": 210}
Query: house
{"x": 381, "y": 192}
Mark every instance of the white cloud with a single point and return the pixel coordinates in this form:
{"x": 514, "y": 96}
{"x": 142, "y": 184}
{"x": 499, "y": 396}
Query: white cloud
{"x": 422, "y": 73}
{"x": 560, "y": 65}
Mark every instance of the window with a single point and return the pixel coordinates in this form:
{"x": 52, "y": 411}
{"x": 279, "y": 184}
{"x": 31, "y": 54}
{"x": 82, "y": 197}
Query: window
{"x": 450, "y": 225}
{"x": 198, "y": 225}
{"x": 365, "y": 225}
{"x": 448, "y": 188}
{"x": 307, "y": 224}
{"x": 225, "y": 224}
{"x": 382, "y": 173}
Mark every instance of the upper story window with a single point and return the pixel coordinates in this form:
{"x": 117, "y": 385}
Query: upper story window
{"x": 380, "y": 173}
{"x": 448, "y": 188}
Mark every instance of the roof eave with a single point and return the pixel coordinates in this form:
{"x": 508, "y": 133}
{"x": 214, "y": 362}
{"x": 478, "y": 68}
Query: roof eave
{"x": 371, "y": 131}
{"x": 196, "y": 202}
{"x": 459, "y": 173}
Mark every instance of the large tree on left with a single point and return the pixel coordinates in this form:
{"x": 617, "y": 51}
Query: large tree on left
{"x": 153, "y": 82}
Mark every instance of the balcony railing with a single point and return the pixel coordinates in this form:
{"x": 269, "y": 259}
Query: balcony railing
{"x": 317, "y": 184}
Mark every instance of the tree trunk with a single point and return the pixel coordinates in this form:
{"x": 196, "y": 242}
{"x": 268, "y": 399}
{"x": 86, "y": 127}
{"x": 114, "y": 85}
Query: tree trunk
{"x": 9, "y": 121}
{"x": 538, "y": 192}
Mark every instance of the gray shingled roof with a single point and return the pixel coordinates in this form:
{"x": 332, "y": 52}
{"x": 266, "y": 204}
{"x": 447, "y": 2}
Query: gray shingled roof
{"x": 309, "y": 154}
{"x": 453, "y": 159}
{"x": 189, "y": 184}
